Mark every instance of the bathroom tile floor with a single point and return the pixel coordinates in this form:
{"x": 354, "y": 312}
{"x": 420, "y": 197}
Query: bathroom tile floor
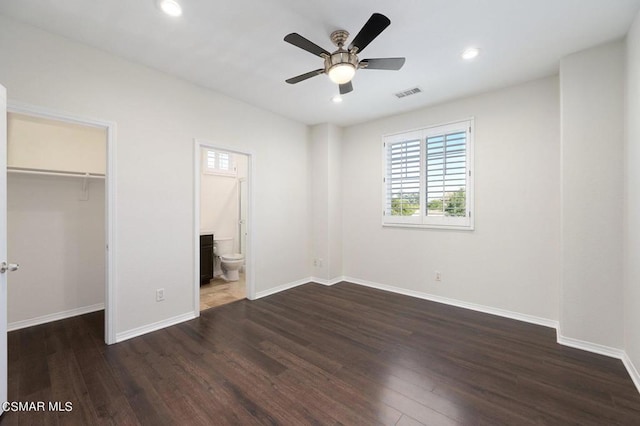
{"x": 218, "y": 292}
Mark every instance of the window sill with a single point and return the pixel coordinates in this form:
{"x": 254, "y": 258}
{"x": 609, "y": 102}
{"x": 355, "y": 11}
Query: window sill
{"x": 429, "y": 226}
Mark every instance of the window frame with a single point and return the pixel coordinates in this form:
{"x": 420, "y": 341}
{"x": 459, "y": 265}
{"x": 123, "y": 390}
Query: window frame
{"x": 422, "y": 220}
{"x": 231, "y": 172}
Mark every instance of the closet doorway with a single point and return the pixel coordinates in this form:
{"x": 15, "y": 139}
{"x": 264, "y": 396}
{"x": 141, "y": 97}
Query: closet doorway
{"x": 59, "y": 217}
{"x": 222, "y": 217}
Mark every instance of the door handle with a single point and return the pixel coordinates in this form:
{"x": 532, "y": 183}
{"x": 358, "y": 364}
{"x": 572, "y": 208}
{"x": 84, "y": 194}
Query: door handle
{"x": 4, "y": 267}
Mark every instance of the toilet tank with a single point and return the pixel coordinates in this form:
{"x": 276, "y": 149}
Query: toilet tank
{"x": 224, "y": 245}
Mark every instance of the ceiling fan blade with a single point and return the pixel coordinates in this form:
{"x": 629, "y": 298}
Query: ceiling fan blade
{"x": 346, "y": 88}
{"x": 302, "y": 77}
{"x": 304, "y": 44}
{"x": 382, "y": 63}
{"x": 372, "y": 29}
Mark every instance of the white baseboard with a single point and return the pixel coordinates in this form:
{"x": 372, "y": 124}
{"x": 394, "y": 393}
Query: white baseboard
{"x": 282, "y": 287}
{"x": 603, "y": 350}
{"x": 589, "y": 346}
{"x": 191, "y": 315}
{"x": 458, "y": 303}
{"x": 17, "y": 325}
{"x": 293, "y": 284}
{"x": 633, "y": 371}
{"x": 324, "y": 281}
{"x": 139, "y": 331}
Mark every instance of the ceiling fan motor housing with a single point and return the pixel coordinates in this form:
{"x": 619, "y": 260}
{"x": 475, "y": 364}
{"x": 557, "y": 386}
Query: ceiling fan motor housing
{"x": 340, "y": 57}
{"x": 342, "y": 64}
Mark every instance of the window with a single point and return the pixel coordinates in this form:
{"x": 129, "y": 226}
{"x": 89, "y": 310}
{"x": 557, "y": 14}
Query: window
{"x": 219, "y": 163}
{"x": 428, "y": 179}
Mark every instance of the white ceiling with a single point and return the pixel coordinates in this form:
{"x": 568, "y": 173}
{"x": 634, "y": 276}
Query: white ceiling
{"x": 236, "y": 47}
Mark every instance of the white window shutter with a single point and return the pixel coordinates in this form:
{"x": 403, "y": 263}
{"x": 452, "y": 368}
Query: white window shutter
{"x": 403, "y": 178}
{"x": 427, "y": 177}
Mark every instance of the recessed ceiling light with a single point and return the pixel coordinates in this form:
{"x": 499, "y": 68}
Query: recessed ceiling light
{"x": 336, "y": 99}
{"x": 170, "y": 7}
{"x": 470, "y": 53}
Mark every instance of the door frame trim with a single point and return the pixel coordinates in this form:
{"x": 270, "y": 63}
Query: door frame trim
{"x": 198, "y": 145}
{"x": 110, "y": 201}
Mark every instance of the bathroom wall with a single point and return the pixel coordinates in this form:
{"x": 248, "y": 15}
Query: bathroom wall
{"x": 219, "y": 202}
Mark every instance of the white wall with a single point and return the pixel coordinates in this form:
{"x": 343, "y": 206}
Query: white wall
{"x": 326, "y": 213}
{"x": 511, "y": 260}
{"x": 59, "y": 241}
{"x": 40, "y": 143}
{"x": 632, "y": 198}
{"x": 592, "y": 117}
{"x": 319, "y": 171}
{"x": 334, "y": 202}
{"x": 157, "y": 118}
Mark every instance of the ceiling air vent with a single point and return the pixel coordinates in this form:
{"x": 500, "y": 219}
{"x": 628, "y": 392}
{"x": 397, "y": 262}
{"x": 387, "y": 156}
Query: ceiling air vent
{"x": 409, "y": 92}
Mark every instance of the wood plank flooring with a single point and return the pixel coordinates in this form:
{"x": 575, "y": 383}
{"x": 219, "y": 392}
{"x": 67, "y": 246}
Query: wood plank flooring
{"x": 319, "y": 355}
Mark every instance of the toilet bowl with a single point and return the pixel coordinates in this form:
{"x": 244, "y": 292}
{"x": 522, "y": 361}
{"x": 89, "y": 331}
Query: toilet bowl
{"x": 231, "y": 264}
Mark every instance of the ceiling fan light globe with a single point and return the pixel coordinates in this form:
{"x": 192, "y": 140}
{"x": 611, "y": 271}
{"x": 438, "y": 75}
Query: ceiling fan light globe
{"x": 342, "y": 73}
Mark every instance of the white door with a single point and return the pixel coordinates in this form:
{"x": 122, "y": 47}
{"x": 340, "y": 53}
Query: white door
{"x": 3, "y": 246}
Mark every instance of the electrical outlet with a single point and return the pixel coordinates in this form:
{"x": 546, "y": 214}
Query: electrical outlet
{"x": 320, "y": 263}
{"x": 160, "y": 295}
{"x": 315, "y": 262}
{"x": 438, "y": 276}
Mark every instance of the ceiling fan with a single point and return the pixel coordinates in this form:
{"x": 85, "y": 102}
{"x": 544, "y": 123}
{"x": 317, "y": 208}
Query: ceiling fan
{"x": 342, "y": 64}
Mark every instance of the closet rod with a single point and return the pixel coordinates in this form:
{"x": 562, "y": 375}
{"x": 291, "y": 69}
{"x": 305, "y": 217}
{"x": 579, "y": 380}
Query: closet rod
{"x": 54, "y": 173}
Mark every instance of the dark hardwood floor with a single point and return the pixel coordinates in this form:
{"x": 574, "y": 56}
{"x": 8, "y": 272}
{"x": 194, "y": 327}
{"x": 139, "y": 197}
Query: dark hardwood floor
{"x": 344, "y": 354}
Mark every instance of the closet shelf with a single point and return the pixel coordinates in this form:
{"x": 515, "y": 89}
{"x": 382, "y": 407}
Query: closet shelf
{"x": 45, "y": 172}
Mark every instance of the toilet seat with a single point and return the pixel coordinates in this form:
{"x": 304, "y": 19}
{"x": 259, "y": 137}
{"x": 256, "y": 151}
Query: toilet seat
{"x": 232, "y": 257}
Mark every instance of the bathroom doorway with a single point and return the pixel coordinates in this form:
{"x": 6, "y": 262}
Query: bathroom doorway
{"x": 222, "y": 211}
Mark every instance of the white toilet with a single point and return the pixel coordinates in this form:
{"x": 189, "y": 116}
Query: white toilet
{"x": 230, "y": 262}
